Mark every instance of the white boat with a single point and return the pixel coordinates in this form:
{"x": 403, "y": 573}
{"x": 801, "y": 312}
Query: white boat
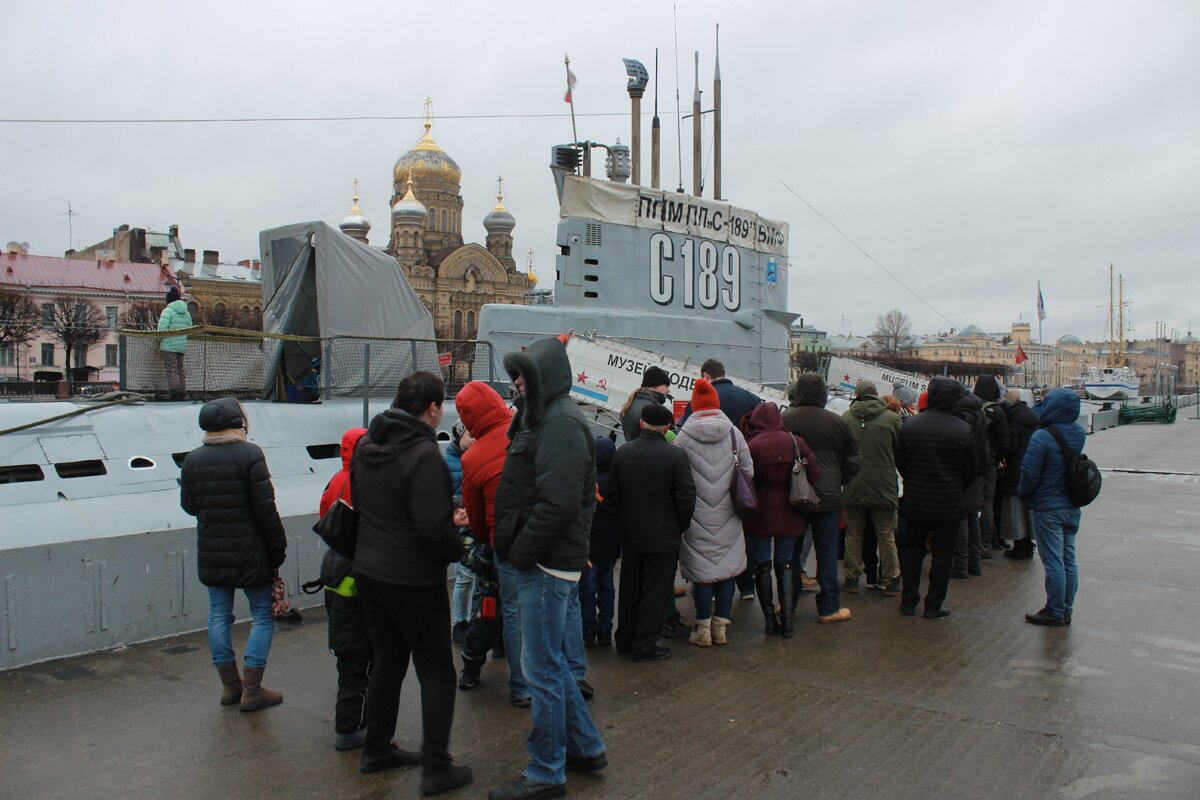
{"x": 1111, "y": 383}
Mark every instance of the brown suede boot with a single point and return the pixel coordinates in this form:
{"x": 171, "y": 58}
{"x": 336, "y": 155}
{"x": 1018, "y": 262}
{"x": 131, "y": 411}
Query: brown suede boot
{"x": 232, "y": 682}
{"x": 254, "y": 696}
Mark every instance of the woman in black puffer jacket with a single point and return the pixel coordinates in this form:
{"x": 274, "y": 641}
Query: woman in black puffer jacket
{"x": 1016, "y": 523}
{"x": 241, "y": 543}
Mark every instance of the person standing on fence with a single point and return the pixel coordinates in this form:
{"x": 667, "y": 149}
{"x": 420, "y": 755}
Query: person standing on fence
{"x": 173, "y": 348}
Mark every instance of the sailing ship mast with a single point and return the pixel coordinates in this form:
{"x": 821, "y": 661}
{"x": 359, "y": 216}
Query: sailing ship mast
{"x": 1121, "y": 320}
{"x": 1112, "y": 346}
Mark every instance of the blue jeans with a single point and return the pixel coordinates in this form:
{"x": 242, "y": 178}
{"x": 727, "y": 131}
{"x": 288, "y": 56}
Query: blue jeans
{"x": 824, "y": 525}
{"x": 220, "y": 620}
{"x": 759, "y": 549}
{"x": 703, "y": 594}
{"x": 1055, "y": 534}
{"x": 460, "y": 600}
{"x": 560, "y": 719}
{"x": 510, "y": 611}
{"x": 573, "y": 636}
{"x": 596, "y": 596}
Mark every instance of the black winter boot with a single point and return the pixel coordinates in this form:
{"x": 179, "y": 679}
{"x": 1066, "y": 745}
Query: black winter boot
{"x": 784, "y": 579}
{"x": 766, "y": 599}
{"x": 441, "y": 775}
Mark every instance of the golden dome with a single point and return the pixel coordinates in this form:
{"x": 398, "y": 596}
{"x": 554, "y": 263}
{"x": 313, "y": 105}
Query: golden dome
{"x": 426, "y": 160}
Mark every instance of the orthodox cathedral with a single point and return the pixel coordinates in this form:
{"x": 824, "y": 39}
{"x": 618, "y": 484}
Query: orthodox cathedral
{"x": 454, "y": 280}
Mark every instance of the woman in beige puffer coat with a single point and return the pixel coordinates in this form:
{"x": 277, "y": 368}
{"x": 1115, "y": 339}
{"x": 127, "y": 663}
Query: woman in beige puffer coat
{"x": 714, "y": 550}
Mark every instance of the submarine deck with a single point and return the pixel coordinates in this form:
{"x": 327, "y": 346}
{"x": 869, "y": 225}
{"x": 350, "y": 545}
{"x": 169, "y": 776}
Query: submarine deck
{"x": 981, "y": 704}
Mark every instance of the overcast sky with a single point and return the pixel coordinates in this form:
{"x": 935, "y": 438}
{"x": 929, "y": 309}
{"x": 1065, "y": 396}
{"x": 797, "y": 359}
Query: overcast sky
{"x": 973, "y": 149}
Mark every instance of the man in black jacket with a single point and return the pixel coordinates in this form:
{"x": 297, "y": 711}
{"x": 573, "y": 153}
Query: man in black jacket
{"x": 938, "y": 460}
{"x": 406, "y": 539}
{"x": 987, "y": 389}
{"x": 651, "y": 487}
{"x": 544, "y": 506}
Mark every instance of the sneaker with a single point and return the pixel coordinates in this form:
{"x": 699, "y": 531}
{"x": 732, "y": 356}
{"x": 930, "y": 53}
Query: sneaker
{"x": 519, "y": 701}
{"x": 458, "y": 633}
{"x": 394, "y": 757}
{"x": 469, "y": 678}
{"x": 892, "y": 589}
{"x": 748, "y": 593}
{"x": 841, "y": 615}
{"x": 675, "y": 630}
{"x": 940, "y": 613}
{"x": 807, "y": 583}
{"x": 587, "y": 763}
{"x": 585, "y": 688}
{"x": 444, "y": 777}
{"x": 658, "y": 654}
{"x": 350, "y": 741}
{"x": 1044, "y": 617}
{"x": 850, "y": 586}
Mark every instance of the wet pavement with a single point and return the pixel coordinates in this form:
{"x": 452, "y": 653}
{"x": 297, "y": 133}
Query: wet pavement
{"x": 979, "y": 705}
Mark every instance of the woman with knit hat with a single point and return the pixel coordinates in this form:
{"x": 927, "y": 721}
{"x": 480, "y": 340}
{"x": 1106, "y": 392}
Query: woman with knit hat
{"x": 714, "y": 550}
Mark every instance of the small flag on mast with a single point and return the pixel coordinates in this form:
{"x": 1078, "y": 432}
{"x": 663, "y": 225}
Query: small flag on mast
{"x": 1041, "y": 305}
{"x": 1021, "y": 357}
{"x": 567, "y": 98}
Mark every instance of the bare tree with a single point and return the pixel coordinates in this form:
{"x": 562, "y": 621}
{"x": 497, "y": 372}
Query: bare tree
{"x": 20, "y": 318}
{"x": 142, "y": 315}
{"x": 78, "y": 324}
{"x": 893, "y": 333}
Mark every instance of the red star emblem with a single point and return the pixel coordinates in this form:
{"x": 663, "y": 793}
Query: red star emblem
{"x": 581, "y": 377}
{"x": 846, "y": 377}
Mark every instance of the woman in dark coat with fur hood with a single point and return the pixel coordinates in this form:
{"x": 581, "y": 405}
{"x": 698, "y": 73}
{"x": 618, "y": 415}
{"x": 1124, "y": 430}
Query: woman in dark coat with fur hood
{"x": 225, "y": 484}
{"x": 773, "y": 450}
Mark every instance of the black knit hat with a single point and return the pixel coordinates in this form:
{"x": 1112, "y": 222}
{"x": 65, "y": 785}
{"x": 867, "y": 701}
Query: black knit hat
{"x": 654, "y": 414}
{"x": 173, "y": 294}
{"x": 655, "y": 376}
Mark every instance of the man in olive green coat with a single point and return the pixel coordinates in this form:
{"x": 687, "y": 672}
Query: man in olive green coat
{"x": 874, "y": 490}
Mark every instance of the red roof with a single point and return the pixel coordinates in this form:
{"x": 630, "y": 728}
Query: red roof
{"x": 48, "y": 272}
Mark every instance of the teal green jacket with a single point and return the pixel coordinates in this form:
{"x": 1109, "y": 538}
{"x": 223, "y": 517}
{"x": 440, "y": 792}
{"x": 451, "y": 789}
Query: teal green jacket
{"x": 175, "y": 317}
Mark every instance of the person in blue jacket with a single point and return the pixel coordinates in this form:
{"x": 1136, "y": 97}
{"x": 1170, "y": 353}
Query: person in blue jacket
{"x": 1043, "y": 488}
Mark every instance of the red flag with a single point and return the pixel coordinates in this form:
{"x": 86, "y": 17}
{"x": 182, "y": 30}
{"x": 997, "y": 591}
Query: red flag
{"x": 1021, "y": 357}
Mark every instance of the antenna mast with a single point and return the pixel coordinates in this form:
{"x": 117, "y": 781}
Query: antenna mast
{"x": 678, "y": 107}
{"x": 717, "y": 120}
{"x": 655, "y": 130}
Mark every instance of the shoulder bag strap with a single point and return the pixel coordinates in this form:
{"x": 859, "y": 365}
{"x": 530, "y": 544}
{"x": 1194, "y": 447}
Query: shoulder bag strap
{"x": 1062, "y": 442}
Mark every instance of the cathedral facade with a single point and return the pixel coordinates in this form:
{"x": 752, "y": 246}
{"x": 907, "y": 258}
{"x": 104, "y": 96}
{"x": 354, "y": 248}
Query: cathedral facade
{"x": 453, "y": 279}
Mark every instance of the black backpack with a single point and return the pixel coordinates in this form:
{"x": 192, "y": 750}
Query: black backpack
{"x": 1083, "y": 476}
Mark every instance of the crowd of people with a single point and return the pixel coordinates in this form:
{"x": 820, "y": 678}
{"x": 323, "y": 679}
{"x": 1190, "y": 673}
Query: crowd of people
{"x": 535, "y": 513}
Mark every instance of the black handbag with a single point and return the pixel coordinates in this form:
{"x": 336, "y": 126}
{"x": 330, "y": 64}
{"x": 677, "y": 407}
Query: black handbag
{"x": 745, "y": 499}
{"x": 339, "y": 528}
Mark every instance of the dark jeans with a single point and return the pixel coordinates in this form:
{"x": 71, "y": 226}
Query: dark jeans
{"x": 647, "y": 586}
{"x": 703, "y": 594}
{"x": 483, "y": 634}
{"x": 597, "y": 596}
{"x": 967, "y": 545}
{"x": 350, "y": 710}
{"x": 824, "y": 526}
{"x": 409, "y": 622}
{"x": 912, "y": 558}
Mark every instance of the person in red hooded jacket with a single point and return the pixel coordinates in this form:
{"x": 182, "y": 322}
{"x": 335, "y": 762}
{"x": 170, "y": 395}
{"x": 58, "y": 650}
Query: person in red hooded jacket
{"x": 349, "y": 638}
{"x": 486, "y": 417}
